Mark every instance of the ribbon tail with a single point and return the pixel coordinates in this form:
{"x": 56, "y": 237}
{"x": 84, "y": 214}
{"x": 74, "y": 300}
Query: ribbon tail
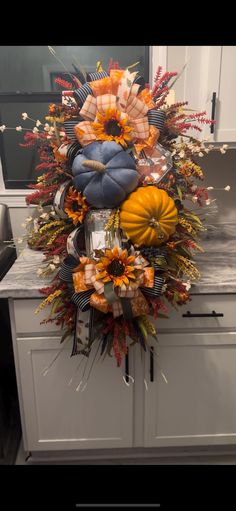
{"x": 109, "y": 293}
{"x": 127, "y": 308}
{"x": 82, "y": 300}
{"x": 75, "y": 343}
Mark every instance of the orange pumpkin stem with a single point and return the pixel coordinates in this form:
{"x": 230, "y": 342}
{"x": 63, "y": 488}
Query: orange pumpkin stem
{"x": 94, "y": 165}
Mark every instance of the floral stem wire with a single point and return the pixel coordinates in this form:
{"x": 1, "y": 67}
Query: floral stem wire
{"x": 84, "y": 371}
{"x": 46, "y": 369}
{"x": 76, "y": 370}
{"x": 52, "y": 51}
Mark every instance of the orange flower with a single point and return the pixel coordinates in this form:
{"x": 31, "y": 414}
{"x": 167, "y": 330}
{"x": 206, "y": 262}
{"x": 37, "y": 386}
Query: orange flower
{"x": 52, "y": 108}
{"x": 111, "y": 125}
{"x": 75, "y": 206}
{"x": 116, "y": 266}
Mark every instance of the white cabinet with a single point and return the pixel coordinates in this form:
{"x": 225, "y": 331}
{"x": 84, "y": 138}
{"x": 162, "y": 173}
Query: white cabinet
{"x": 225, "y": 108}
{"x": 196, "y": 351}
{"x": 209, "y": 69}
{"x": 197, "y": 354}
{"x": 198, "y": 404}
{"x": 59, "y": 417}
{"x": 55, "y": 415}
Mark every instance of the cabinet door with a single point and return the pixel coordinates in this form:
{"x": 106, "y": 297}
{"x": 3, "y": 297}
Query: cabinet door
{"x": 59, "y": 417}
{"x": 225, "y": 109}
{"x": 209, "y": 70}
{"x": 197, "y": 405}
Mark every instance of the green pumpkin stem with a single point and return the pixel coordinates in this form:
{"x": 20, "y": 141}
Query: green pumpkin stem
{"x": 155, "y": 224}
{"x": 94, "y": 165}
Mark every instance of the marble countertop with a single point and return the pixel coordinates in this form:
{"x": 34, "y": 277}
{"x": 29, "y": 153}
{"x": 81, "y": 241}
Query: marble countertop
{"x": 217, "y": 266}
{"x": 22, "y": 280}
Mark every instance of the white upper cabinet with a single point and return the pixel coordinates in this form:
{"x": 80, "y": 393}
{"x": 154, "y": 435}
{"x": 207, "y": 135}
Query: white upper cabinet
{"x": 226, "y": 109}
{"x": 207, "y": 83}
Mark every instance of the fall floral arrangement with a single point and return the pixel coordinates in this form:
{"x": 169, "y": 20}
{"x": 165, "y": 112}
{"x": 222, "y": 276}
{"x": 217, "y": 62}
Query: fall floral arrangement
{"x": 117, "y": 219}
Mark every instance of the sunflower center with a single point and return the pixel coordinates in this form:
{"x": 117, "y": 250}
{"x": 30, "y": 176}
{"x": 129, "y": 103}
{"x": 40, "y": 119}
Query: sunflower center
{"x": 113, "y": 128}
{"x": 116, "y": 268}
{"x": 75, "y": 206}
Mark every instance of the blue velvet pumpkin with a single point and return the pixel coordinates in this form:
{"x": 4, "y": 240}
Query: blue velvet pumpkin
{"x": 105, "y": 174}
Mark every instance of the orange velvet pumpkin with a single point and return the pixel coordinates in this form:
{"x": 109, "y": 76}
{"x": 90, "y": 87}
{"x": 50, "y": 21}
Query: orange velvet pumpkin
{"x": 148, "y": 216}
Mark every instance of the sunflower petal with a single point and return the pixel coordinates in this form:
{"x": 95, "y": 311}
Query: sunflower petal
{"x": 130, "y": 259}
{"x": 125, "y": 280}
{"x": 108, "y": 253}
{"x": 99, "y": 266}
{"x": 116, "y": 252}
{"x": 101, "y": 275}
{"x": 124, "y": 254}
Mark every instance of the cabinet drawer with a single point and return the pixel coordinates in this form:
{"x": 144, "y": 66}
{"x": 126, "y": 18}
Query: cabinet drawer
{"x": 201, "y": 309}
{"x": 26, "y": 321}
{"x": 195, "y": 339}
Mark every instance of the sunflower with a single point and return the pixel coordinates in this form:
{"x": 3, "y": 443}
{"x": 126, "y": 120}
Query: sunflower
{"x": 116, "y": 266}
{"x": 112, "y": 125}
{"x": 75, "y": 206}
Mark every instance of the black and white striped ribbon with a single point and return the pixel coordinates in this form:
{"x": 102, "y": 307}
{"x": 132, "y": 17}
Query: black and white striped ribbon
{"x": 141, "y": 82}
{"x": 160, "y": 266}
{"x": 73, "y": 151}
{"x": 67, "y": 267}
{"x": 81, "y": 94}
{"x": 74, "y": 242}
{"x": 59, "y": 199}
{"x": 156, "y": 289}
{"x": 69, "y": 127}
{"x": 91, "y": 77}
{"x": 82, "y": 300}
{"x": 156, "y": 118}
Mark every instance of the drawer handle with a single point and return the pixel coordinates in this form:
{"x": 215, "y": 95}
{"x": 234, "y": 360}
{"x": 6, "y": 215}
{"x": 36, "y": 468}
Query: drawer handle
{"x": 213, "y": 314}
{"x": 127, "y": 367}
{"x": 213, "y": 110}
{"x": 151, "y": 363}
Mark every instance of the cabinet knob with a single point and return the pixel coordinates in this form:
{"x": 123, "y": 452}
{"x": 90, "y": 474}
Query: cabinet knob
{"x": 213, "y": 111}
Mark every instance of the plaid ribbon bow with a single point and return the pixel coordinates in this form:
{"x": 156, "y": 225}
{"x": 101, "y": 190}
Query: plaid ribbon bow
{"x": 90, "y": 292}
